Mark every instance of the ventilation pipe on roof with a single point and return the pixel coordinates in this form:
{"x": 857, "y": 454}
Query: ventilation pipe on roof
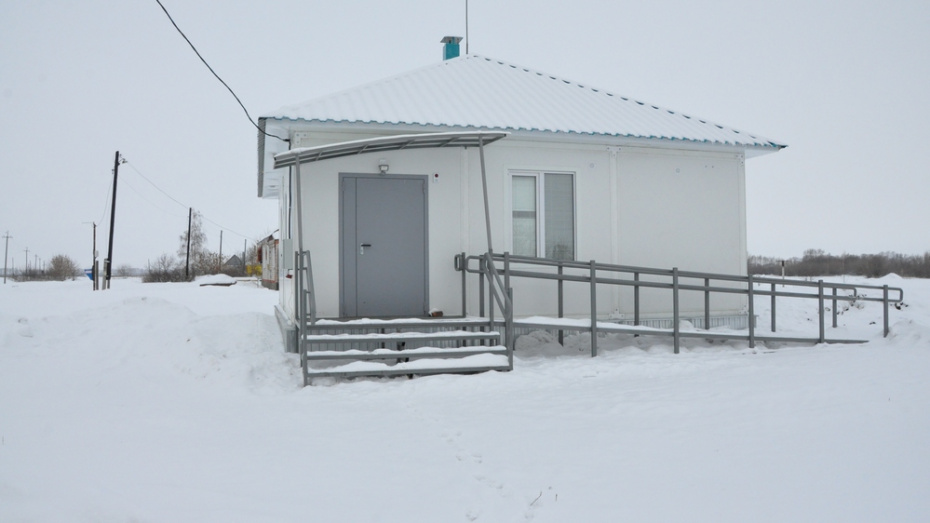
{"x": 451, "y": 47}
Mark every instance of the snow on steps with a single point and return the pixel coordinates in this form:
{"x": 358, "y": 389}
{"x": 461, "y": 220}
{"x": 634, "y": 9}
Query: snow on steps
{"x": 441, "y": 362}
{"x": 402, "y": 336}
{"x": 401, "y": 347}
{"x": 420, "y": 352}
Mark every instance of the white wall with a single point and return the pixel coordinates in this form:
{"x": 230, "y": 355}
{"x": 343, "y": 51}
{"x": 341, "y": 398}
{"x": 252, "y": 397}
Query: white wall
{"x": 686, "y": 210}
{"x": 634, "y": 206}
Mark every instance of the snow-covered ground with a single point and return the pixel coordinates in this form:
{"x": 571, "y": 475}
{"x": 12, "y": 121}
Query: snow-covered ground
{"x": 176, "y": 402}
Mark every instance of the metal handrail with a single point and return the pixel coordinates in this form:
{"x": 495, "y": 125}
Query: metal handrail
{"x": 306, "y": 297}
{"x": 305, "y": 303}
{"x": 499, "y": 290}
{"x": 676, "y": 285}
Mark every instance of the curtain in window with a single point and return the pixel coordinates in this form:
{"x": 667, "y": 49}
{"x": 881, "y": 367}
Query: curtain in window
{"x": 524, "y": 215}
{"x": 559, "y": 216}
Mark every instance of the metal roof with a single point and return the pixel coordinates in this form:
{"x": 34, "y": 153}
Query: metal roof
{"x": 389, "y": 143}
{"x": 478, "y": 92}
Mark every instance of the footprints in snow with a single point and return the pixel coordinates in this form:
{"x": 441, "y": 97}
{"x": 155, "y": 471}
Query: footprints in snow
{"x": 473, "y": 462}
{"x": 25, "y": 330}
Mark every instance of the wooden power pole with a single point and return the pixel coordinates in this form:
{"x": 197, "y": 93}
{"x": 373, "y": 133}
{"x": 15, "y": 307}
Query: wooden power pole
{"x": 187, "y": 264}
{"x": 6, "y": 250}
{"x": 109, "y": 262}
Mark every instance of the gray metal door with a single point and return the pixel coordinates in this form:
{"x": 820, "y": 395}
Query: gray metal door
{"x": 383, "y": 246}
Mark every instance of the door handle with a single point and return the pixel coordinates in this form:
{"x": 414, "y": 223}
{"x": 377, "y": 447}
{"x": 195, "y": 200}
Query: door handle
{"x": 361, "y": 248}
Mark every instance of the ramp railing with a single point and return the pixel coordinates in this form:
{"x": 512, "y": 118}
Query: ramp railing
{"x": 676, "y": 282}
{"x": 499, "y": 291}
{"x": 304, "y": 300}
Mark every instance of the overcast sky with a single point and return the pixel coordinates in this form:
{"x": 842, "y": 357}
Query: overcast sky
{"x": 845, "y": 84}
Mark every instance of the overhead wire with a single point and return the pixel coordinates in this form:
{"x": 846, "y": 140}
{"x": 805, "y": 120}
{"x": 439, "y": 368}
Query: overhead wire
{"x": 182, "y": 204}
{"x": 144, "y": 177}
{"x": 106, "y": 204}
{"x": 150, "y": 202}
{"x": 249, "y": 116}
{"x": 223, "y": 227}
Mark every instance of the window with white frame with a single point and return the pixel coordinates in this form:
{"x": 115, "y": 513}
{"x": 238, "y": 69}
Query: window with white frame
{"x": 543, "y": 207}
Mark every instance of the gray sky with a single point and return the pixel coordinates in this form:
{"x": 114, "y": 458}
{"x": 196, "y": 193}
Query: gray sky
{"x": 845, "y": 84}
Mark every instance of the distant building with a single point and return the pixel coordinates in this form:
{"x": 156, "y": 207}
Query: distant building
{"x": 234, "y": 265}
{"x": 268, "y": 258}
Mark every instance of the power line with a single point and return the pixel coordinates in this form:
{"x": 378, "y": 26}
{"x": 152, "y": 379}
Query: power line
{"x": 222, "y": 227}
{"x": 182, "y": 204}
{"x": 144, "y": 177}
{"x": 251, "y": 121}
{"x": 148, "y": 201}
{"x": 106, "y": 203}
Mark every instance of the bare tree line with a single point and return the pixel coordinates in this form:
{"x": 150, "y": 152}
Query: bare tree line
{"x": 193, "y": 259}
{"x": 816, "y": 262}
{"x": 59, "y": 268}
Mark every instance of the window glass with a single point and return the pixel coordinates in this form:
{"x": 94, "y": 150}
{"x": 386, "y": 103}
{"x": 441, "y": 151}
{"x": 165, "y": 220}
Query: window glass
{"x": 559, "y": 224}
{"x": 524, "y": 215}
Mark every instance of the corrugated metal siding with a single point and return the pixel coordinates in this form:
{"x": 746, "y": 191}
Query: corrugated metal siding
{"x": 478, "y": 92}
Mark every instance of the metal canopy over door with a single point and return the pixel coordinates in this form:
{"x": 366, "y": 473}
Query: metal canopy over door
{"x": 383, "y": 246}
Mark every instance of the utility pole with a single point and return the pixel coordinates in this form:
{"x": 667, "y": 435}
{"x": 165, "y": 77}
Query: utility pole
{"x": 109, "y": 263}
{"x": 6, "y": 250}
{"x": 94, "y": 266}
{"x": 245, "y": 266}
{"x": 187, "y": 265}
{"x": 220, "y": 268}
{"x": 26, "y": 269}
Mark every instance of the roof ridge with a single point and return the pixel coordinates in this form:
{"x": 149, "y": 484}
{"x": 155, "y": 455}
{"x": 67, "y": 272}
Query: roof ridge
{"x": 619, "y": 96}
{"x": 594, "y": 89}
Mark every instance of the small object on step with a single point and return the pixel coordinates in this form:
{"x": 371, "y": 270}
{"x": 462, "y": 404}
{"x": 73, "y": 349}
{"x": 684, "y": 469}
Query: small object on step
{"x": 435, "y": 313}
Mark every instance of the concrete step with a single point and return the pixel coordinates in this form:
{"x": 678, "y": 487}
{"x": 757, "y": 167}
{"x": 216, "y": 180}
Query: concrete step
{"x": 418, "y": 353}
{"x": 426, "y": 366}
{"x": 403, "y": 336}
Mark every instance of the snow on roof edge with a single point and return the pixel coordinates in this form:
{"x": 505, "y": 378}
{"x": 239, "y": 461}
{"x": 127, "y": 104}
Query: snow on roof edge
{"x": 758, "y": 143}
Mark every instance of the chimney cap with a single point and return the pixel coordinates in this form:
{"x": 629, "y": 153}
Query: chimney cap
{"x": 450, "y": 40}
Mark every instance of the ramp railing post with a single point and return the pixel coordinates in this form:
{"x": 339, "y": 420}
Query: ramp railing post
{"x": 636, "y": 298}
{"x": 461, "y": 263}
{"x": 309, "y": 288}
{"x": 487, "y": 270}
{"x": 706, "y": 303}
{"x": 508, "y": 311}
{"x": 885, "y": 307}
{"x": 752, "y": 312}
{"x": 299, "y": 313}
{"x": 481, "y": 275}
{"x": 561, "y": 298}
{"x": 508, "y": 328}
{"x": 506, "y": 270}
{"x": 821, "y": 311}
{"x": 773, "y": 307}
{"x": 593, "y": 276}
{"x": 297, "y": 288}
{"x": 675, "y": 313}
{"x": 834, "y": 307}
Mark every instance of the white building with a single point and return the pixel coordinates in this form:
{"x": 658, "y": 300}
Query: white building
{"x": 583, "y": 174}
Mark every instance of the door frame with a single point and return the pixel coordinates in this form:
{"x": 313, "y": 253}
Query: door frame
{"x": 343, "y": 176}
